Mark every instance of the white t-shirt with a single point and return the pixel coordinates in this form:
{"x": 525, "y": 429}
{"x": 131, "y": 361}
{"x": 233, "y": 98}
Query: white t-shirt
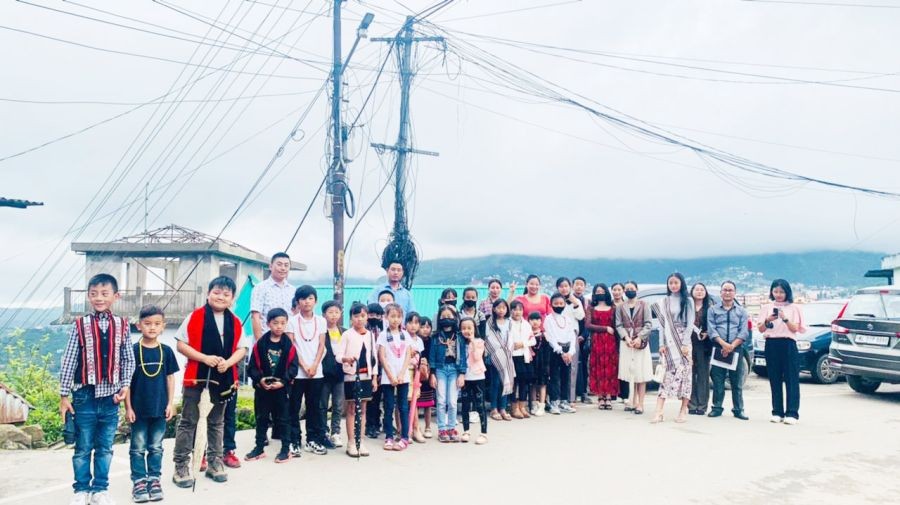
{"x": 395, "y": 353}
{"x": 306, "y": 334}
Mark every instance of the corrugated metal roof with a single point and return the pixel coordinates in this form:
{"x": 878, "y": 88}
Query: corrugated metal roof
{"x": 13, "y": 408}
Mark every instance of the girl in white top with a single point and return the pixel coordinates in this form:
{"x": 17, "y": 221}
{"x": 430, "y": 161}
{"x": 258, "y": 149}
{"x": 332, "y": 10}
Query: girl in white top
{"x": 394, "y": 353}
{"x": 522, "y": 339}
{"x": 561, "y": 332}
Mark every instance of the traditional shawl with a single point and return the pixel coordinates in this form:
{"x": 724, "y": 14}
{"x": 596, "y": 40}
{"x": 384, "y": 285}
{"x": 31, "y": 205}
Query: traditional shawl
{"x": 500, "y": 351}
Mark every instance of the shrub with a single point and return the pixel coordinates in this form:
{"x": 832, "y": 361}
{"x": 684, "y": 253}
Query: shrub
{"x": 27, "y": 372}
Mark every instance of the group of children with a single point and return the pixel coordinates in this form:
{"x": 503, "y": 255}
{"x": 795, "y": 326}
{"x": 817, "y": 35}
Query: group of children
{"x": 387, "y": 365}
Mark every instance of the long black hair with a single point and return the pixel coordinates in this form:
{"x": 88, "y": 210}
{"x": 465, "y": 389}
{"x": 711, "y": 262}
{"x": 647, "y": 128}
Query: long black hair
{"x": 527, "y": 280}
{"x": 493, "y": 319}
{"x": 607, "y": 294}
{"x": 685, "y": 296}
{"x": 783, "y": 284}
{"x": 707, "y": 300}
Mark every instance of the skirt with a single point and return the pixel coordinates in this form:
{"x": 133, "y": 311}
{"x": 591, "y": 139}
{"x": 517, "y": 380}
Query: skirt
{"x": 635, "y": 365}
{"x": 541, "y": 365}
{"x": 426, "y": 395}
{"x": 365, "y": 390}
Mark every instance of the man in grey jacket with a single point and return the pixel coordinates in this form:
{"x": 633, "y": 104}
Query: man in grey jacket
{"x": 727, "y": 328}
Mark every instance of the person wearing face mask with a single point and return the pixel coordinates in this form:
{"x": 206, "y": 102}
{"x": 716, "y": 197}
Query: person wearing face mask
{"x": 375, "y": 325}
{"x": 604, "y": 376}
{"x": 470, "y": 308}
{"x": 575, "y": 312}
{"x": 561, "y": 331}
{"x": 447, "y": 360}
{"x": 633, "y": 325}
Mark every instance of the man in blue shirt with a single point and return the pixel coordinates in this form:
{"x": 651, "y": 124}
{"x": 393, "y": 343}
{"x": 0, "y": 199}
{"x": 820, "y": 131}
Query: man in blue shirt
{"x": 402, "y": 296}
{"x": 727, "y": 328}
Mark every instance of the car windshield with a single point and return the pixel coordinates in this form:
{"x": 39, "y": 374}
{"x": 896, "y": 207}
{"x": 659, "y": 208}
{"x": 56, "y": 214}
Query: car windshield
{"x": 820, "y": 314}
{"x": 875, "y": 305}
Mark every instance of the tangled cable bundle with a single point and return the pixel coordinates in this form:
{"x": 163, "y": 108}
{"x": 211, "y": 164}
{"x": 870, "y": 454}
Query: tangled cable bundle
{"x": 401, "y": 249}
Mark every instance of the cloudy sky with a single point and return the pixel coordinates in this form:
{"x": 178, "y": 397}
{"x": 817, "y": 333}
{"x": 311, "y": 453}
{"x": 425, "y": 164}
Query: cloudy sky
{"x": 811, "y": 89}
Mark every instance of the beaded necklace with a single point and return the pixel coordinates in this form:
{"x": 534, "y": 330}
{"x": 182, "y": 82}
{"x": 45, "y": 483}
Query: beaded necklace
{"x": 141, "y": 358}
{"x": 300, "y": 321}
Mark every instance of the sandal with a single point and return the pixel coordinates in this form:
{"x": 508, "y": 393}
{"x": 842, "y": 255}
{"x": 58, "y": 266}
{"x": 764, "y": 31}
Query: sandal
{"x": 505, "y": 416}
{"x": 481, "y": 440}
{"x": 638, "y": 411}
{"x": 682, "y": 417}
{"x": 658, "y": 418}
{"x": 496, "y": 416}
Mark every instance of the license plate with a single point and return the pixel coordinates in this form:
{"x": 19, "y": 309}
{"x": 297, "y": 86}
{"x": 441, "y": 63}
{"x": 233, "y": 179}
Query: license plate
{"x": 759, "y": 361}
{"x": 873, "y": 340}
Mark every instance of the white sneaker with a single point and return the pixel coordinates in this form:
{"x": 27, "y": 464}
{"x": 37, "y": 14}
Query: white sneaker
{"x": 102, "y": 498}
{"x": 567, "y": 408}
{"x": 337, "y": 440}
{"x": 791, "y": 421}
{"x": 776, "y": 419}
{"x": 82, "y": 498}
{"x": 554, "y": 408}
{"x": 538, "y": 410}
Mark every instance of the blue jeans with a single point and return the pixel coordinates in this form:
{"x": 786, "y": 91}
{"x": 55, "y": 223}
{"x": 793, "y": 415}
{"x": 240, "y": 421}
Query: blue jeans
{"x": 496, "y": 398}
{"x": 396, "y": 396}
{"x": 146, "y": 448}
{"x": 96, "y": 420}
{"x": 228, "y": 443}
{"x": 447, "y": 395}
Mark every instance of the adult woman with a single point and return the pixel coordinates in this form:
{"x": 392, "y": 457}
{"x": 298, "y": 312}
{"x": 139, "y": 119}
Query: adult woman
{"x": 533, "y": 300}
{"x": 701, "y": 349}
{"x": 633, "y": 324}
{"x": 618, "y": 297}
{"x": 780, "y": 321}
{"x": 676, "y": 318}
{"x": 604, "y": 358}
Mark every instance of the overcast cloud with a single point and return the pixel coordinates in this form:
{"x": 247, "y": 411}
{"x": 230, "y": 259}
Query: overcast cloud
{"x": 513, "y": 176}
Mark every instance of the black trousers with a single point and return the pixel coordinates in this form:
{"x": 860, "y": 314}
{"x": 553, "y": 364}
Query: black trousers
{"x": 560, "y": 375}
{"x": 272, "y": 404}
{"x": 783, "y": 368}
{"x": 306, "y": 392}
{"x": 584, "y": 355}
{"x": 373, "y": 412}
{"x": 473, "y": 396}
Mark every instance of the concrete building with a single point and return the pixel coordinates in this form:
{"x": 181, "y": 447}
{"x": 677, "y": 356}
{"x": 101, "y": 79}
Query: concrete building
{"x": 170, "y": 266}
{"x": 890, "y": 269}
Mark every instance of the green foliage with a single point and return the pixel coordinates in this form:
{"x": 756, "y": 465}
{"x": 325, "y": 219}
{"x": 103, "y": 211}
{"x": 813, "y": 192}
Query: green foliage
{"x": 27, "y": 372}
{"x": 246, "y": 419}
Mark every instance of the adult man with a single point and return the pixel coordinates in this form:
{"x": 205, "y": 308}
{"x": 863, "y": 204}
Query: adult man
{"x": 727, "y": 328}
{"x": 274, "y": 292}
{"x": 402, "y": 296}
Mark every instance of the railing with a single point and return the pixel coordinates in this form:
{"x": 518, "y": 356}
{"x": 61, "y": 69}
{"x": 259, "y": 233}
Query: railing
{"x": 177, "y": 304}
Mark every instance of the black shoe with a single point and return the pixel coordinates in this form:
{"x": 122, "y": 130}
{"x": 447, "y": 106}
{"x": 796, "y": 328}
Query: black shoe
{"x": 715, "y": 413}
{"x": 700, "y": 412}
{"x": 283, "y": 457}
{"x": 741, "y": 416}
{"x": 328, "y": 444}
{"x": 371, "y": 433}
{"x": 255, "y": 454}
{"x": 295, "y": 451}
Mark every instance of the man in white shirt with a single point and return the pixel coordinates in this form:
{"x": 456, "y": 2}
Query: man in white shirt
{"x": 274, "y": 292}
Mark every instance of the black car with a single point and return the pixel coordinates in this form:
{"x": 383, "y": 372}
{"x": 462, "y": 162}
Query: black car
{"x": 865, "y": 343}
{"x": 813, "y": 345}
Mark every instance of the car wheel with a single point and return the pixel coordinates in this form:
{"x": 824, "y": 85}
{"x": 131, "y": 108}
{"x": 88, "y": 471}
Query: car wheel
{"x": 822, "y": 373}
{"x": 862, "y": 384}
{"x": 761, "y": 371}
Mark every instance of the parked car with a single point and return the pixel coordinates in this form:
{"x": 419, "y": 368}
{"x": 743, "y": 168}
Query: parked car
{"x": 813, "y": 345}
{"x": 865, "y": 344}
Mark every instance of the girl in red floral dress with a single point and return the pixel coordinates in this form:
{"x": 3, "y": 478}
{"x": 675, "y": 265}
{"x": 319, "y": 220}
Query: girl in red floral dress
{"x": 604, "y": 360}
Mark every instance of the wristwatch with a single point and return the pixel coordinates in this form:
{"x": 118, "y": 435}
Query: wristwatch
{"x": 785, "y": 321}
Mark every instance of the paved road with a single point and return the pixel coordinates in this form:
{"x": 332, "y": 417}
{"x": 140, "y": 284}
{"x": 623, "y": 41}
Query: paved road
{"x": 846, "y": 450}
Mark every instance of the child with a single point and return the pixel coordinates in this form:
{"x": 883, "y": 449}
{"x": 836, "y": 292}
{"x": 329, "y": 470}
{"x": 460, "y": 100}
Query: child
{"x": 501, "y": 368}
{"x": 374, "y": 324}
{"x": 413, "y": 324}
{"x": 561, "y": 331}
{"x": 394, "y": 354}
{"x": 273, "y": 366}
{"x": 522, "y": 338}
{"x": 540, "y": 364}
{"x": 473, "y": 391}
{"x": 307, "y": 331}
{"x": 356, "y": 353}
{"x": 385, "y": 297}
{"x": 149, "y": 404}
{"x": 333, "y": 387}
{"x": 425, "y": 400}
{"x": 96, "y": 370}
{"x": 211, "y": 339}
{"x": 470, "y": 308}
{"x": 448, "y": 297}
{"x": 447, "y": 361}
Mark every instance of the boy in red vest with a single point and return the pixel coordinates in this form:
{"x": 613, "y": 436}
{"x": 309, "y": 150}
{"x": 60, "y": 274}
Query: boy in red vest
{"x": 211, "y": 340}
{"x": 96, "y": 370}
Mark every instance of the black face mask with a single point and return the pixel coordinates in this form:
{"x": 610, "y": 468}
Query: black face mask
{"x": 448, "y": 302}
{"x": 373, "y": 323}
{"x": 598, "y": 298}
{"x": 630, "y": 294}
{"x": 447, "y": 324}
{"x": 559, "y": 310}
{"x": 469, "y": 304}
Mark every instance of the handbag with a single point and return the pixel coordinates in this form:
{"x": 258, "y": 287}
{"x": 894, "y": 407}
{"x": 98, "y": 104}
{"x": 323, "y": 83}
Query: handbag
{"x": 331, "y": 369}
{"x": 659, "y": 373}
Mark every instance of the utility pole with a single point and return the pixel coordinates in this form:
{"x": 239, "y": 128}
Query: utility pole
{"x": 400, "y": 248}
{"x": 337, "y": 170}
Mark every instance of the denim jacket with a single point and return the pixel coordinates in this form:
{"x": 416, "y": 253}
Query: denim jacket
{"x": 439, "y": 352}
